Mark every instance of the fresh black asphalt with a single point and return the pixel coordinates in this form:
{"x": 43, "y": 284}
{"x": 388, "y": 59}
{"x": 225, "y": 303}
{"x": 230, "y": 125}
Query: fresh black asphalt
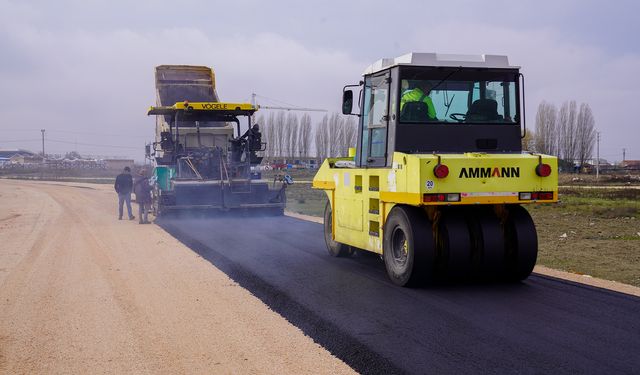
{"x": 540, "y": 326}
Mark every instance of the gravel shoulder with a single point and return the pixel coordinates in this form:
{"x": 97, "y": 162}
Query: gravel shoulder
{"x": 81, "y": 292}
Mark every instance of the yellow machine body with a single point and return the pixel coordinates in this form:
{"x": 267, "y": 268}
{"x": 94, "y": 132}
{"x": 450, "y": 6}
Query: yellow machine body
{"x": 205, "y": 106}
{"x": 361, "y": 198}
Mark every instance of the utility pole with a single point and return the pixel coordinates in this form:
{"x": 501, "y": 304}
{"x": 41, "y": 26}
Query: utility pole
{"x": 42, "y": 130}
{"x": 598, "y": 156}
{"x": 43, "y": 157}
{"x": 624, "y": 154}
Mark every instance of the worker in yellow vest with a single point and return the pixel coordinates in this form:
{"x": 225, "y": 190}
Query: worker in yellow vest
{"x": 420, "y": 94}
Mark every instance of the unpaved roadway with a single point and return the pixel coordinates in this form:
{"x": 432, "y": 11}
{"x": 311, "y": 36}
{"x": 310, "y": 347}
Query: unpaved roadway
{"x": 81, "y": 292}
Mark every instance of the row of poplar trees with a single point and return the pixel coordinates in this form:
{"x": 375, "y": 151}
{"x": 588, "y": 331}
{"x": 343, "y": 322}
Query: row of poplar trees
{"x": 290, "y": 136}
{"x": 568, "y": 132}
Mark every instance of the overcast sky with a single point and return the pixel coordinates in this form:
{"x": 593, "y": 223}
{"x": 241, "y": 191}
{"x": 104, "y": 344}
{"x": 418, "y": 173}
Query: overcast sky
{"x": 83, "y": 70}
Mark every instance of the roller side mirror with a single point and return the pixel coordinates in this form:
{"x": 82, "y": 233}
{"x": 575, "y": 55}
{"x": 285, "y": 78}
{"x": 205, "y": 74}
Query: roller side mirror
{"x": 347, "y": 102}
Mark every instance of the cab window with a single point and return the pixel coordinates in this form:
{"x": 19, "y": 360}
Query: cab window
{"x": 453, "y": 96}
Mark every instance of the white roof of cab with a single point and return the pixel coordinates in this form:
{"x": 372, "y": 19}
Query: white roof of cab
{"x": 439, "y": 59}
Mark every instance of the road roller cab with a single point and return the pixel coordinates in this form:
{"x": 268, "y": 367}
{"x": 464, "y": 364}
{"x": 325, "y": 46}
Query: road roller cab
{"x": 439, "y": 175}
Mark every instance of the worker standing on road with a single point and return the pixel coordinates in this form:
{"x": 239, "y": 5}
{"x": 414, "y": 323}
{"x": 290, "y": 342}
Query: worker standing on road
{"x": 142, "y": 189}
{"x": 123, "y": 186}
{"x": 420, "y": 94}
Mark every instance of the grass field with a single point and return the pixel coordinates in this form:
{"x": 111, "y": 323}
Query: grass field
{"x": 593, "y": 232}
{"x": 301, "y": 198}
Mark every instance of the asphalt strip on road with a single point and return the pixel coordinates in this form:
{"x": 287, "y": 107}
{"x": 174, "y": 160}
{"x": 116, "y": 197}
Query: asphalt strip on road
{"x": 330, "y": 336}
{"x": 543, "y": 325}
{"x": 540, "y": 270}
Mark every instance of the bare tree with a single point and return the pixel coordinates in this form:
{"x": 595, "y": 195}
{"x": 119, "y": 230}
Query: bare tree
{"x": 585, "y": 133}
{"x": 272, "y": 143}
{"x": 283, "y": 136}
{"x": 266, "y": 128}
{"x": 321, "y": 137}
{"x": 304, "y": 135}
{"x": 567, "y": 139}
{"x": 335, "y": 134}
{"x": 279, "y": 134}
{"x": 349, "y": 134}
{"x": 291, "y": 136}
{"x": 546, "y": 140}
{"x": 528, "y": 141}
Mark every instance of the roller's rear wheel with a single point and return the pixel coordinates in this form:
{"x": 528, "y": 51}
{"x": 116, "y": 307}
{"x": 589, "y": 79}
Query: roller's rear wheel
{"x": 521, "y": 243}
{"x": 454, "y": 244}
{"x": 334, "y": 248}
{"x": 488, "y": 243}
{"x": 409, "y": 250}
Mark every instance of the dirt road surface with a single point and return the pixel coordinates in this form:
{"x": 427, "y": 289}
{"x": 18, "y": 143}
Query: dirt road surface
{"x": 81, "y": 292}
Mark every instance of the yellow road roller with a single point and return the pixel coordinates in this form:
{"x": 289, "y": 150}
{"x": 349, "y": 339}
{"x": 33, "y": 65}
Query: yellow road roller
{"x": 438, "y": 177}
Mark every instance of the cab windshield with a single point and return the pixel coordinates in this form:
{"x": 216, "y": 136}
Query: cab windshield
{"x": 459, "y": 95}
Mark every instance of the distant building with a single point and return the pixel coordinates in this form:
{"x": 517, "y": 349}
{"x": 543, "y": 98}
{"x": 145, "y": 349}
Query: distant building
{"x": 18, "y": 156}
{"x": 18, "y": 159}
{"x": 10, "y": 153}
{"x": 631, "y": 164}
{"x": 603, "y": 162}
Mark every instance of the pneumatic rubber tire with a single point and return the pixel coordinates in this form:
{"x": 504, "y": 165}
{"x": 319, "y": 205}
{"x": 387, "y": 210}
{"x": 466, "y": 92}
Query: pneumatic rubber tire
{"x": 335, "y": 249}
{"x": 408, "y": 247}
{"x": 488, "y": 246}
{"x": 454, "y": 244}
{"x": 521, "y": 243}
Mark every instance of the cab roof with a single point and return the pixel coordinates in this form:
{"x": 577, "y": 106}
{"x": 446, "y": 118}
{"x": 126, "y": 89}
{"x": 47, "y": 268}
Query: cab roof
{"x": 439, "y": 59}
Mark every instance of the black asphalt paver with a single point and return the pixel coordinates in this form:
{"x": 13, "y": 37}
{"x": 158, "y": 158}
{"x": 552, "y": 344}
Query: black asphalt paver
{"x": 540, "y": 326}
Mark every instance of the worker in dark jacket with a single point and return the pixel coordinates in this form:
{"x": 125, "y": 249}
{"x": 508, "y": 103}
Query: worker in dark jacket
{"x": 142, "y": 189}
{"x": 123, "y": 186}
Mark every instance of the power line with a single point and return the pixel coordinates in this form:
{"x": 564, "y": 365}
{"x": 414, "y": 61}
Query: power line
{"x": 277, "y": 101}
{"x": 75, "y": 132}
{"x": 97, "y": 134}
{"x": 21, "y": 130}
{"x": 92, "y": 144}
{"x": 287, "y": 107}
